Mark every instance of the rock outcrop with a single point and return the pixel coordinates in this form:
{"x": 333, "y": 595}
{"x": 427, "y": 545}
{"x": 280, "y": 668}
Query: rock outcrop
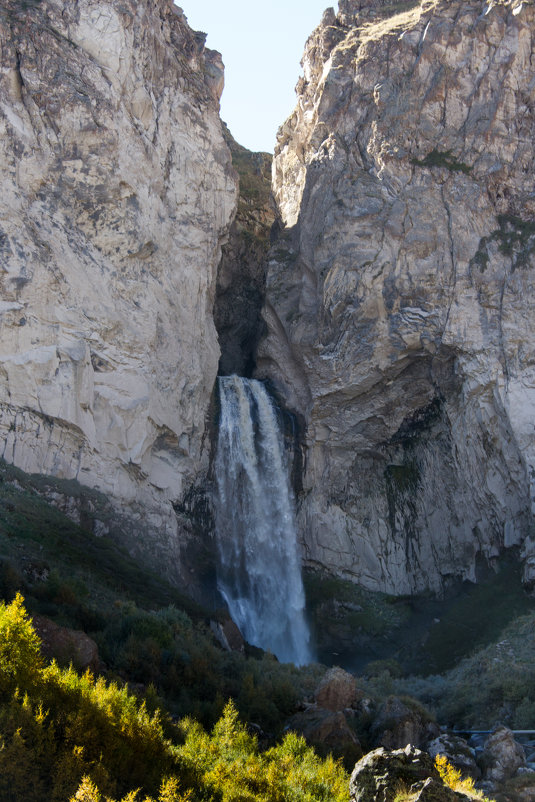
{"x": 382, "y": 775}
{"x": 397, "y": 725}
{"x": 117, "y": 192}
{"x": 458, "y": 753}
{"x": 400, "y": 294}
{"x": 66, "y": 645}
{"x": 328, "y": 732}
{"x": 337, "y": 690}
{"x": 502, "y": 756}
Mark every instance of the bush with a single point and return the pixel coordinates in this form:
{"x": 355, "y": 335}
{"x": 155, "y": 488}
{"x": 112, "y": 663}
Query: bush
{"x": 229, "y": 766}
{"x": 452, "y": 777}
{"x": 20, "y": 655}
{"x": 65, "y": 736}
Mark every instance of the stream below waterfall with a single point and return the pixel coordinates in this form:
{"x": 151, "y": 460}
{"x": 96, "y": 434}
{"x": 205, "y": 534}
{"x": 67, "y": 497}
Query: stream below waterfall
{"x": 259, "y": 571}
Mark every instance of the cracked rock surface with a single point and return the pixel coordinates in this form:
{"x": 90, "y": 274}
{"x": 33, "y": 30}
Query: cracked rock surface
{"x": 399, "y": 304}
{"x": 117, "y": 190}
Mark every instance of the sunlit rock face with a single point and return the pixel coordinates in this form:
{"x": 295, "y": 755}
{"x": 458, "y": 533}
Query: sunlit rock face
{"x": 400, "y": 301}
{"x": 117, "y": 191}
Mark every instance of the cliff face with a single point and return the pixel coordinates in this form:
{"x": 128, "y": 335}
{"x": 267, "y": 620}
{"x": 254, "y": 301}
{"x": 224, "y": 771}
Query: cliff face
{"x": 400, "y": 296}
{"x": 117, "y": 190}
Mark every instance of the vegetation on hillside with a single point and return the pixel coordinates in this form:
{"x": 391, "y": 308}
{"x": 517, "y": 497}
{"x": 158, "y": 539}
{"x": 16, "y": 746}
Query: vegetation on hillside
{"x": 148, "y": 633}
{"x": 254, "y": 171}
{"x": 493, "y": 684}
{"x": 160, "y": 663}
{"x": 66, "y": 736}
{"x": 370, "y": 632}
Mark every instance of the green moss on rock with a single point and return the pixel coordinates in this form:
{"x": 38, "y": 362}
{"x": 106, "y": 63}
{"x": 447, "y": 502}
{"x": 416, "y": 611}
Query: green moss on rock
{"x": 442, "y": 158}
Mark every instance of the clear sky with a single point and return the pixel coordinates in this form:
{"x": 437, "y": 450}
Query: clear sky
{"x": 262, "y": 44}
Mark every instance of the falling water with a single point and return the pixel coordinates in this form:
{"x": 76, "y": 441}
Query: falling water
{"x": 259, "y": 571}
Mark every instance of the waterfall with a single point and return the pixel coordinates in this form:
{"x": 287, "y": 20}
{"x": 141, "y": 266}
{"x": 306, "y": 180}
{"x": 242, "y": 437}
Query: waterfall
{"x": 259, "y": 572}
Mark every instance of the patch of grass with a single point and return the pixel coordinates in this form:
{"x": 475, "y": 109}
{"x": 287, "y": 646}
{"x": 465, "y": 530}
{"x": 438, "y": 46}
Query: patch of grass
{"x": 515, "y": 238}
{"x": 27, "y": 5}
{"x": 476, "y": 617}
{"x": 438, "y": 158}
{"x": 404, "y": 794}
{"x": 401, "y": 479}
{"x": 254, "y": 171}
{"x": 398, "y": 8}
{"x": 405, "y": 17}
{"x": 514, "y": 788}
{"x": 31, "y": 527}
{"x": 348, "y": 622}
{"x": 494, "y": 683}
{"x": 377, "y": 635}
{"x": 481, "y": 258}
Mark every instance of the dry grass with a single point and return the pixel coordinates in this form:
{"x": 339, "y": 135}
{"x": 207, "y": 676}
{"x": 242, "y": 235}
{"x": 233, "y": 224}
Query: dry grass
{"x": 409, "y": 15}
{"x": 398, "y": 23}
{"x": 402, "y": 17}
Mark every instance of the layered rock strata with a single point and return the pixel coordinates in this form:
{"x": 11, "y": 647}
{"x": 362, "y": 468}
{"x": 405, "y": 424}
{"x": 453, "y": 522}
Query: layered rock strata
{"x": 400, "y": 296}
{"x": 117, "y": 191}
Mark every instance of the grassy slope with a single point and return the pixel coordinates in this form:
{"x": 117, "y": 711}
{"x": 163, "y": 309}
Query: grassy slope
{"x": 146, "y": 630}
{"x": 475, "y": 647}
{"x": 423, "y": 635}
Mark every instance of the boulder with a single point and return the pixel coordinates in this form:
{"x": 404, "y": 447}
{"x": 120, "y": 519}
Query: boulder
{"x": 66, "y": 645}
{"x": 432, "y": 790}
{"x": 458, "y": 753}
{"x": 381, "y": 775}
{"x": 502, "y": 756}
{"x": 397, "y": 725}
{"x": 327, "y": 731}
{"x": 228, "y": 635}
{"x": 337, "y": 690}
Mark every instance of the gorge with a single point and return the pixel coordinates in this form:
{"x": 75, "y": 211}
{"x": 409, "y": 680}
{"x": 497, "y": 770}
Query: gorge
{"x": 388, "y": 308}
{"x": 267, "y": 424}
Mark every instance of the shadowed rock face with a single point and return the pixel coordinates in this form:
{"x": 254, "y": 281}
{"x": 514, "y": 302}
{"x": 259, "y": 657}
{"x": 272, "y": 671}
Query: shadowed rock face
{"x": 117, "y": 190}
{"x": 66, "y": 645}
{"x": 400, "y": 294}
{"x": 241, "y": 277}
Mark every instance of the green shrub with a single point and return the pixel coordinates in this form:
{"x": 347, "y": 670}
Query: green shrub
{"x": 228, "y": 765}
{"x": 65, "y": 736}
{"x": 20, "y": 655}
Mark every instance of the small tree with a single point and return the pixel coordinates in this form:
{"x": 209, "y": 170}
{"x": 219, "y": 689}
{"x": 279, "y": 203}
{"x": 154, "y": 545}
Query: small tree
{"x": 20, "y": 654}
{"x": 87, "y": 792}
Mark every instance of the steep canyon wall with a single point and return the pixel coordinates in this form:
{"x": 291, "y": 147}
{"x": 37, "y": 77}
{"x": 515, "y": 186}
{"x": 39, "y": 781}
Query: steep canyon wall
{"x": 400, "y": 295}
{"x": 399, "y": 302}
{"x": 117, "y": 191}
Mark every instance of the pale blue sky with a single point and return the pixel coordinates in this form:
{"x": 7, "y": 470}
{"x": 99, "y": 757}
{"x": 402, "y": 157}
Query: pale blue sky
{"x": 262, "y": 44}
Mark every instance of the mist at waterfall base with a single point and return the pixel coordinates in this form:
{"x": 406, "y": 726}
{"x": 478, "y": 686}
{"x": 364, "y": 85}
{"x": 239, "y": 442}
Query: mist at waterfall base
{"x": 259, "y": 572}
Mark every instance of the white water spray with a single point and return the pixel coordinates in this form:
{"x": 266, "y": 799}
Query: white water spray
{"x": 259, "y": 572}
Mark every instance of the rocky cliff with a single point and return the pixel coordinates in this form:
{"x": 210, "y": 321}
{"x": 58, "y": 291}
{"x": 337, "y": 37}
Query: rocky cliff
{"x": 117, "y": 191}
{"x": 400, "y": 295}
